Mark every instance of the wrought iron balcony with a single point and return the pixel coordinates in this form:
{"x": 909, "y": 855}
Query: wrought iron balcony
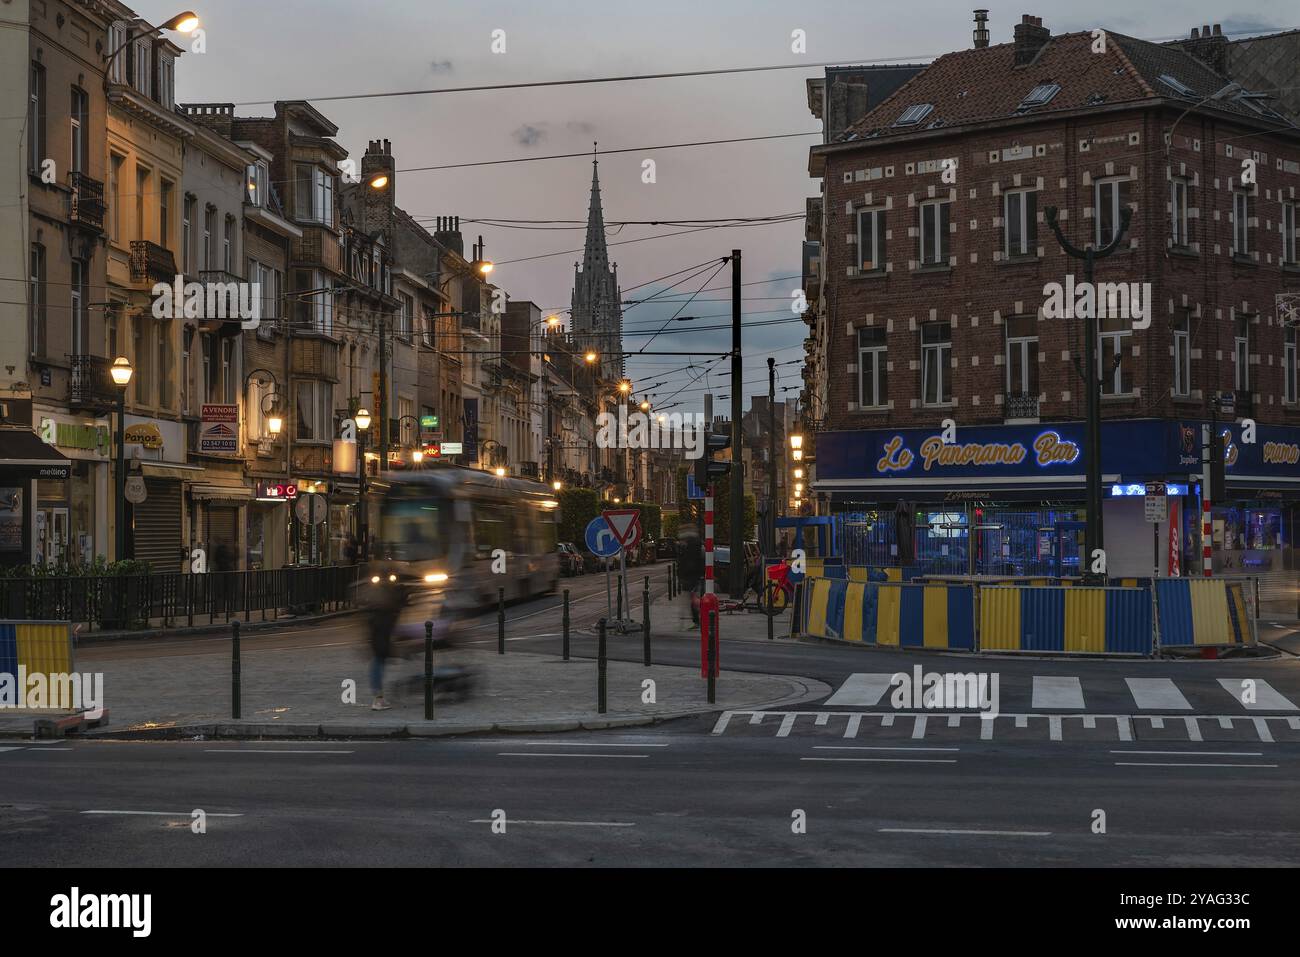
{"x": 90, "y": 384}
{"x": 1021, "y": 405}
{"x": 86, "y": 202}
{"x": 151, "y": 262}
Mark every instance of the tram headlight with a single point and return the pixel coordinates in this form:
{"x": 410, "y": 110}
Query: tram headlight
{"x": 436, "y": 578}
{"x": 374, "y": 580}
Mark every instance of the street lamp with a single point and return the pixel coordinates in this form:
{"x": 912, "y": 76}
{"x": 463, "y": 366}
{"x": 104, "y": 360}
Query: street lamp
{"x": 796, "y": 447}
{"x": 379, "y": 181}
{"x": 625, "y": 387}
{"x": 591, "y": 356}
{"x": 500, "y": 471}
{"x": 362, "y": 419}
{"x": 275, "y": 420}
{"x": 557, "y": 485}
{"x": 186, "y": 22}
{"x": 121, "y": 372}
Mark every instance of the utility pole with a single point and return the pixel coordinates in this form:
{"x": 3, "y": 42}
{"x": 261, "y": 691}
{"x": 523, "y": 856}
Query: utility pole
{"x": 772, "y": 508}
{"x": 383, "y": 393}
{"x": 1093, "y": 536}
{"x": 737, "y": 584}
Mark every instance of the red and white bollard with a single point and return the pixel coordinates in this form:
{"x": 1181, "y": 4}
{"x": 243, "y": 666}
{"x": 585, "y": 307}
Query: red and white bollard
{"x": 708, "y": 601}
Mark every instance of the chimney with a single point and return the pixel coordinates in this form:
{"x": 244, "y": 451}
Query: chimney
{"x": 981, "y": 32}
{"x": 1209, "y": 46}
{"x": 448, "y": 233}
{"x": 1030, "y": 38}
{"x": 378, "y": 205}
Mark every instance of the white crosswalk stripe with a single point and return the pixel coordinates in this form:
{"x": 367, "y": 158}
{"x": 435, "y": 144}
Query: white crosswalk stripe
{"x": 1057, "y": 693}
{"x": 1157, "y": 694}
{"x": 1265, "y": 697}
{"x": 862, "y": 690}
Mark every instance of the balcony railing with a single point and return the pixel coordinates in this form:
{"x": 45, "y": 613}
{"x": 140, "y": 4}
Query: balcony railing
{"x": 90, "y": 384}
{"x": 86, "y": 202}
{"x": 1021, "y": 405}
{"x": 151, "y": 262}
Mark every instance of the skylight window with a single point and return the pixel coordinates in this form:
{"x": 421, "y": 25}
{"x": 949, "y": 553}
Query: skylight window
{"x": 1040, "y": 95}
{"x": 1178, "y": 86}
{"x": 914, "y": 114}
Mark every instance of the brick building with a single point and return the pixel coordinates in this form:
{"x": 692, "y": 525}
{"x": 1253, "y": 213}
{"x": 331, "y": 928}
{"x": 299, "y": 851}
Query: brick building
{"x": 935, "y": 261}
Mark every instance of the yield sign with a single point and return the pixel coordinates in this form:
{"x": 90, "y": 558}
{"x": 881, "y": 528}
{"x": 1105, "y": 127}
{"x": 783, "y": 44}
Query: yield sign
{"x": 621, "y": 521}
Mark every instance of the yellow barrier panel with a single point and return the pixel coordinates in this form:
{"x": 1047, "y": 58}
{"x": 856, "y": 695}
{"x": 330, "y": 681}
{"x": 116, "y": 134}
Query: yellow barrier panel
{"x": 1210, "y": 612}
{"x": 858, "y": 573}
{"x": 935, "y": 616}
{"x": 44, "y": 647}
{"x": 1085, "y": 620}
{"x": 821, "y": 593}
{"x": 889, "y": 603}
{"x": 853, "y": 611}
{"x": 1000, "y": 619}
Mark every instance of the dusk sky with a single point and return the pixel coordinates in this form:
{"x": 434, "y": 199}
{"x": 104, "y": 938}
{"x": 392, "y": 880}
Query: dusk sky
{"x": 289, "y": 49}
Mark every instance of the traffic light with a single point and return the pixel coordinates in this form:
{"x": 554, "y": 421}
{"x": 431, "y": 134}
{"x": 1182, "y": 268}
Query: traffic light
{"x": 706, "y": 470}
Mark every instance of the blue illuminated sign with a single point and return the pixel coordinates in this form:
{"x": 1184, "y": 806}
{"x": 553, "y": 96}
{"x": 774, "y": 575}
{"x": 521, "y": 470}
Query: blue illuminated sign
{"x": 1137, "y": 488}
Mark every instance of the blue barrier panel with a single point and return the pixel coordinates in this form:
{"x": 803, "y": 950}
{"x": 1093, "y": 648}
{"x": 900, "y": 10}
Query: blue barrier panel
{"x": 9, "y": 649}
{"x": 1042, "y": 619}
{"x": 961, "y": 617}
{"x": 835, "y": 609}
{"x": 911, "y": 616}
{"x": 835, "y": 572}
{"x": 1128, "y": 621}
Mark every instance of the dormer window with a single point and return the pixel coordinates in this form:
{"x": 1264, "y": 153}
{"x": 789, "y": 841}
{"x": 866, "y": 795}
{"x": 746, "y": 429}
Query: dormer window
{"x": 914, "y": 114}
{"x": 166, "y": 79}
{"x": 255, "y": 188}
{"x": 140, "y": 75}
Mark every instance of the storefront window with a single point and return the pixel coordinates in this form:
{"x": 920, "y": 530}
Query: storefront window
{"x": 1248, "y": 538}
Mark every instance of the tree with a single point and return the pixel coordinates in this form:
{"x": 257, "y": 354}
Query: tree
{"x": 722, "y": 515}
{"x": 672, "y": 524}
{"x": 578, "y": 506}
{"x": 651, "y": 524}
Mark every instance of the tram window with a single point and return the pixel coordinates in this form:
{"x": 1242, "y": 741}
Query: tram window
{"x": 491, "y": 529}
{"x": 412, "y": 529}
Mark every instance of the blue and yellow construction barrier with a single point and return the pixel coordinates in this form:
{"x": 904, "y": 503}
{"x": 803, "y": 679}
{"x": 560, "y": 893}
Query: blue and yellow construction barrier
{"x": 1202, "y": 613}
{"x": 1078, "y": 620}
{"x": 43, "y": 647}
{"x": 891, "y": 614}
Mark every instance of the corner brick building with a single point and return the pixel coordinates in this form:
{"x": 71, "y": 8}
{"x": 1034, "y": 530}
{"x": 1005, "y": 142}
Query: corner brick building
{"x": 935, "y": 252}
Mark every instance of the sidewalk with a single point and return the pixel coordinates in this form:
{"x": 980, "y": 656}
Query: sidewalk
{"x": 290, "y": 692}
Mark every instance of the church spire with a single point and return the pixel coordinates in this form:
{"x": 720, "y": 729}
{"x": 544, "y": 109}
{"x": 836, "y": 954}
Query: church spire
{"x": 595, "y": 255}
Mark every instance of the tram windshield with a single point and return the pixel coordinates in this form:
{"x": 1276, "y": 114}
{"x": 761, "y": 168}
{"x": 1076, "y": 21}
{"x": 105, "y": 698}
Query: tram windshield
{"x": 414, "y": 527}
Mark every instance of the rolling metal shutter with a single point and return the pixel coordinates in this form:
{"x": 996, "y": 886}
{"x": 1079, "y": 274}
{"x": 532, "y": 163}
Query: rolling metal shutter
{"x": 157, "y": 525}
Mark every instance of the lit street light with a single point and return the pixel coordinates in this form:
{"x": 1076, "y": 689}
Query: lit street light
{"x": 121, "y": 372}
{"x": 362, "y": 419}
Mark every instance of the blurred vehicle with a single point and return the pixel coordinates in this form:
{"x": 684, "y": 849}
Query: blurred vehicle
{"x": 446, "y": 527}
{"x": 649, "y": 550}
{"x": 570, "y": 559}
{"x": 666, "y": 548}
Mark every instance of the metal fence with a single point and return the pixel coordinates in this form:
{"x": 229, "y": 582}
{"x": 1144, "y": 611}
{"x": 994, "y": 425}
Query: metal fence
{"x": 175, "y": 599}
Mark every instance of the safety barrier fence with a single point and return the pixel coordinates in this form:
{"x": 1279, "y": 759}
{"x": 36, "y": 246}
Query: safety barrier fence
{"x": 43, "y": 647}
{"x": 1130, "y": 616}
{"x": 173, "y": 599}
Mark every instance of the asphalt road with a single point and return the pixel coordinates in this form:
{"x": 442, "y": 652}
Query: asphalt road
{"x": 1182, "y": 770}
{"x": 672, "y": 796}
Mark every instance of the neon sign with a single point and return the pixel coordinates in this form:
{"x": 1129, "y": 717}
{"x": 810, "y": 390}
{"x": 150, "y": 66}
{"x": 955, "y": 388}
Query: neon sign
{"x": 1049, "y": 449}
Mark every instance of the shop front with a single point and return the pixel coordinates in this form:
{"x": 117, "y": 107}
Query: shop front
{"x": 26, "y": 465}
{"x": 71, "y": 520}
{"x": 156, "y": 523}
{"x": 1006, "y": 500}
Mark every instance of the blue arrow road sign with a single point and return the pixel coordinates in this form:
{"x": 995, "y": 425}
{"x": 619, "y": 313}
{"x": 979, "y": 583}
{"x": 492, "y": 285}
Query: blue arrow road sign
{"x": 600, "y": 540}
{"x": 693, "y": 491}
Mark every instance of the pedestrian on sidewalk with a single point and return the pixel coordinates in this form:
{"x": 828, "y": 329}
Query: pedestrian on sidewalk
{"x": 690, "y": 568}
{"x": 385, "y": 607}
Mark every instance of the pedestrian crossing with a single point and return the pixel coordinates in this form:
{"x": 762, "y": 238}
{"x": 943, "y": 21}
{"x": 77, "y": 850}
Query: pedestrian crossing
{"x": 1103, "y": 693}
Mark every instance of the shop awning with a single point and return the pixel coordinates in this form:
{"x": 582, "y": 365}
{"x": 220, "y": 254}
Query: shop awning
{"x": 174, "y": 471}
{"x": 222, "y": 493}
{"x": 24, "y": 456}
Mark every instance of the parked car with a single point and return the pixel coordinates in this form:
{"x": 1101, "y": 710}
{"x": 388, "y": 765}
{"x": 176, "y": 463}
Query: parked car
{"x": 590, "y": 562}
{"x": 570, "y": 559}
{"x": 666, "y": 548}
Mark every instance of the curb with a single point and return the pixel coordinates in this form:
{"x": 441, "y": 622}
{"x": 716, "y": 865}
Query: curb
{"x": 103, "y": 637}
{"x": 803, "y": 690}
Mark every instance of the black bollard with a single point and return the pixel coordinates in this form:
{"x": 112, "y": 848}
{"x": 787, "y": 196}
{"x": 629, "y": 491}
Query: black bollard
{"x": 566, "y": 624}
{"x": 670, "y": 581}
{"x": 619, "y": 589}
{"x": 234, "y": 669}
{"x": 713, "y": 655}
{"x": 645, "y": 619}
{"x": 428, "y": 671}
{"x": 770, "y": 586}
{"x": 600, "y": 669}
{"x": 501, "y": 621}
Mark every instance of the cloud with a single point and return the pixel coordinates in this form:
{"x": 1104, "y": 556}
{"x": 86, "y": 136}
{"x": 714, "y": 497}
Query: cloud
{"x": 441, "y": 66}
{"x": 579, "y": 126}
{"x": 528, "y": 135}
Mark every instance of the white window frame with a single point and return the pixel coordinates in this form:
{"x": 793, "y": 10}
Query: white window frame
{"x": 79, "y": 122}
{"x": 1118, "y": 340}
{"x": 142, "y": 81}
{"x": 117, "y": 34}
{"x": 942, "y": 364}
{"x": 875, "y": 238}
{"x": 1289, "y": 233}
{"x": 940, "y": 239}
{"x": 1240, "y": 222}
{"x": 876, "y": 355}
{"x": 1022, "y": 345}
{"x": 255, "y": 187}
{"x": 1290, "y": 365}
{"x": 77, "y": 302}
{"x": 1179, "y": 234}
{"x": 1183, "y": 357}
{"x": 1241, "y": 355}
{"x": 209, "y": 224}
{"x": 1026, "y": 223}
{"x": 228, "y": 245}
{"x": 1115, "y": 203}
{"x": 116, "y": 163}
{"x": 319, "y": 416}
{"x": 166, "y": 79}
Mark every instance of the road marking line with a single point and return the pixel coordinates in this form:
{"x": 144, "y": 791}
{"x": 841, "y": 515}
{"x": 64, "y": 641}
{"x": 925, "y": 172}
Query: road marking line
{"x": 1261, "y": 728}
{"x": 1089, "y": 721}
{"x": 886, "y": 720}
{"x": 986, "y": 729}
{"x": 559, "y": 754}
{"x": 1124, "y": 727}
{"x": 1226, "y": 723}
{"x": 1217, "y": 754}
{"x": 1189, "y": 764}
{"x": 163, "y": 813}
{"x": 10, "y": 749}
{"x": 890, "y": 760}
{"x": 1193, "y": 729}
{"x": 723, "y": 720}
{"x": 862, "y": 690}
{"x": 851, "y": 730}
{"x": 954, "y": 721}
{"x": 566, "y": 744}
{"x": 1294, "y": 722}
{"x": 822, "y": 718}
{"x": 1057, "y": 692}
{"x": 957, "y": 830}
{"x": 509, "y": 821}
{"x": 1022, "y": 721}
{"x": 870, "y": 747}
{"x": 1054, "y": 727}
{"x": 268, "y": 751}
{"x": 1157, "y": 694}
{"x": 1266, "y": 697}
{"x": 787, "y": 723}
{"x": 756, "y": 718}
{"x": 1156, "y": 723}
{"x": 918, "y": 729}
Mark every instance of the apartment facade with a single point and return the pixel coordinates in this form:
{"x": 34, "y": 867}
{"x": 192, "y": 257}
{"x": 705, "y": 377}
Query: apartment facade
{"x": 939, "y": 261}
